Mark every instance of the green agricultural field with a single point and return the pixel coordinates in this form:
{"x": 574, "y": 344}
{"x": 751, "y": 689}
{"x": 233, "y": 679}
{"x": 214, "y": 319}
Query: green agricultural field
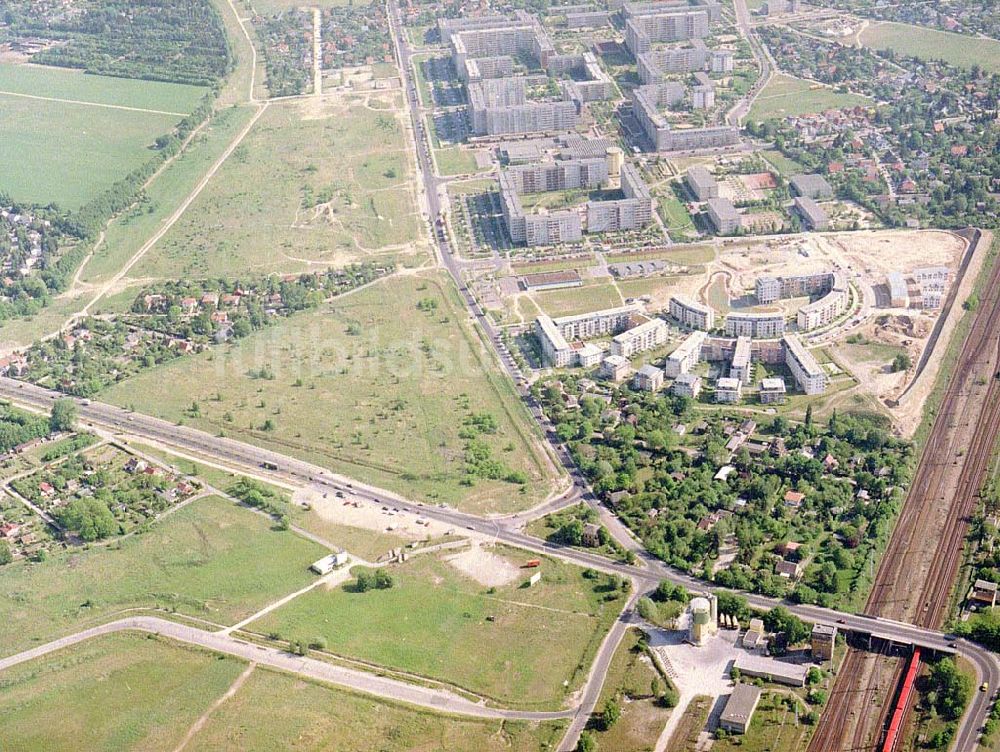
{"x": 68, "y": 136}
{"x": 371, "y": 386}
{"x": 46, "y": 82}
{"x": 434, "y": 622}
{"x": 786, "y": 96}
{"x": 117, "y": 692}
{"x": 931, "y": 44}
{"x": 273, "y": 711}
{"x": 573, "y": 300}
{"x": 323, "y": 183}
{"x": 211, "y": 559}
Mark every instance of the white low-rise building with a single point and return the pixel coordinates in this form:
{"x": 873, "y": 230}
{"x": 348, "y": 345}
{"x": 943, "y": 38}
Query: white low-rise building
{"x": 728, "y": 390}
{"x": 615, "y": 368}
{"x": 772, "y": 391}
{"x": 687, "y": 385}
{"x": 649, "y": 378}
{"x": 330, "y": 562}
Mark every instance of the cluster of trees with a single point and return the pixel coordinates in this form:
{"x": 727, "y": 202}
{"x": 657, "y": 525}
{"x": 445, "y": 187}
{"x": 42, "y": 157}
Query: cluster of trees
{"x": 684, "y": 515}
{"x": 288, "y": 51}
{"x": 89, "y": 517}
{"x": 18, "y": 427}
{"x": 371, "y": 579}
{"x": 262, "y": 497}
{"x": 479, "y": 459}
{"x": 183, "y": 41}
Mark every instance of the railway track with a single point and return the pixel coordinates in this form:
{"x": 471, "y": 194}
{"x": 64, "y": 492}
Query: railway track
{"x": 916, "y": 576}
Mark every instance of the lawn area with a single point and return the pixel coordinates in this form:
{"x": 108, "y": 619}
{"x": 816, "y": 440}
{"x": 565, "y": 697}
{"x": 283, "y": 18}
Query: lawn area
{"x": 116, "y": 692}
{"x": 787, "y": 95}
{"x": 374, "y": 390}
{"x": 211, "y": 559}
{"x": 573, "y": 300}
{"x": 435, "y": 622}
{"x": 629, "y": 679}
{"x": 931, "y": 44}
{"x": 689, "y": 255}
{"x": 774, "y": 728}
{"x": 274, "y": 711}
{"x": 68, "y": 136}
{"x": 673, "y": 213}
{"x": 324, "y": 183}
{"x": 455, "y": 160}
{"x": 786, "y": 166}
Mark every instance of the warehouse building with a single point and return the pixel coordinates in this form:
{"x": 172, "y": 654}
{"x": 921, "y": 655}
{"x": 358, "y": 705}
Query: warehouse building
{"x": 740, "y": 707}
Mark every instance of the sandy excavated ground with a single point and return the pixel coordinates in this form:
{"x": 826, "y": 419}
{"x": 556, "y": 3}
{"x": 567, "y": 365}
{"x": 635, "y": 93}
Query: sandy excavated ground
{"x": 368, "y": 516}
{"x": 485, "y": 567}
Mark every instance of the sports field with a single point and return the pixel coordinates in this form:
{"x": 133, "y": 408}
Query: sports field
{"x": 785, "y": 96}
{"x": 930, "y": 44}
{"x": 67, "y": 136}
{"x": 437, "y": 622}
{"x": 117, "y": 692}
{"x": 376, "y": 385}
{"x": 211, "y": 559}
{"x": 312, "y": 183}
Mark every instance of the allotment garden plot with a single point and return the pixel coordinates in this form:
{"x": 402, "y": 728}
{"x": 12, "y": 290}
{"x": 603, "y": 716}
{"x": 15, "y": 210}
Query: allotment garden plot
{"x": 316, "y": 183}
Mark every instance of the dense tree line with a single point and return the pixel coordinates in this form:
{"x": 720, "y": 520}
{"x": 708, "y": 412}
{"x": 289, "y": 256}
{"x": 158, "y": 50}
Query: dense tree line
{"x": 183, "y": 41}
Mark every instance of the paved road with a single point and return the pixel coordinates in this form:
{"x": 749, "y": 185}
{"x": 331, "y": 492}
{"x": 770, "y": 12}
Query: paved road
{"x": 649, "y": 572}
{"x": 360, "y": 681}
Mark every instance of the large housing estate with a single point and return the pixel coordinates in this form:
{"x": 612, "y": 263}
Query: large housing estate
{"x": 632, "y": 211}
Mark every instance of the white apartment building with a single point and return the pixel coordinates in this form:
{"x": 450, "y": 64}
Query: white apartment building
{"x": 741, "y": 368}
{"x": 728, "y": 390}
{"x": 687, "y": 385}
{"x": 807, "y": 372}
{"x": 687, "y": 354}
{"x": 647, "y": 336}
{"x": 691, "y": 313}
{"x": 757, "y": 325}
{"x": 649, "y": 378}
{"x": 615, "y": 368}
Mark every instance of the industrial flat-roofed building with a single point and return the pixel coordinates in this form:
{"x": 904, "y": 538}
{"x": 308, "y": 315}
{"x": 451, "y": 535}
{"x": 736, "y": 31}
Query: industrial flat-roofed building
{"x": 649, "y": 378}
{"x": 702, "y": 184}
{"x": 691, "y": 313}
{"x": 740, "y": 368}
{"x": 723, "y": 215}
{"x": 552, "y": 280}
{"x": 687, "y": 385}
{"x": 684, "y": 358}
{"x": 756, "y": 325}
{"x": 645, "y": 336}
{"x": 812, "y": 186}
{"x": 812, "y": 213}
{"x": 807, "y": 372}
{"x": 740, "y": 707}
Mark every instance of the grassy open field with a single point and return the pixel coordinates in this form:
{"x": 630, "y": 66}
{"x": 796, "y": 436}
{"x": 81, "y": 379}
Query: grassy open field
{"x": 383, "y": 394}
{"x": 273, "y": 711}
{"x": 931, "y": 44}
{"x": 786, "y": 95}
{"x": 434, "y": 622}
{"x": 68, "y": 136}
{"x": 455, "y": 160}
{"x": 313, "y": 183}
{"x": 629, "y": 680}
{"x": 211, "y": 559}
{"x": 117, "y": 692}
{"x": 787, "y": 167}
{"x": 573, "y": 300}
